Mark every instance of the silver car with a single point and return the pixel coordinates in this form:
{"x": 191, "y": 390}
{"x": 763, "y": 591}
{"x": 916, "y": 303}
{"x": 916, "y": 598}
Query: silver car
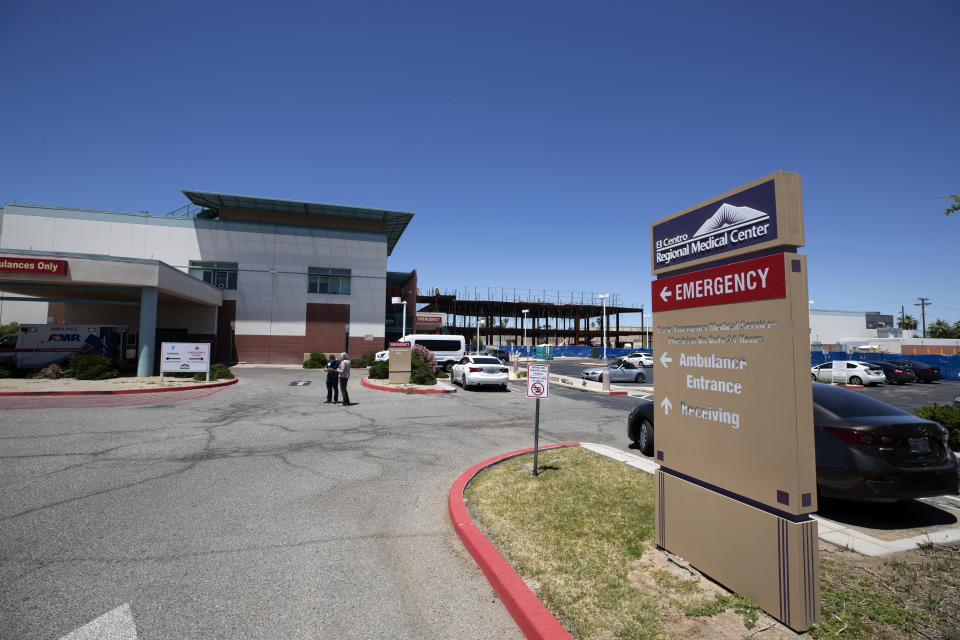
{"x": 620, "y": 371}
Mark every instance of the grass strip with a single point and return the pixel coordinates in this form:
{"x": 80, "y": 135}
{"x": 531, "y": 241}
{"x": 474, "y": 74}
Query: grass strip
{"x": 581, "y": 536}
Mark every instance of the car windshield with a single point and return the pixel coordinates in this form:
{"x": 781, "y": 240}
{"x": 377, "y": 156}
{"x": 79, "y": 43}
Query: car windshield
{"x": 485, "y": 361}
{"x": 850, "y": 404}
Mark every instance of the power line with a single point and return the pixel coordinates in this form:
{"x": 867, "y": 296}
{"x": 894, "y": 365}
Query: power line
{"x": 923, "y": 304}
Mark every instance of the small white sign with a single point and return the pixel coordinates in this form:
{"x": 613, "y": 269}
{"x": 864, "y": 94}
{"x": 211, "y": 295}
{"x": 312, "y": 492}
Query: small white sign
{"x": 188, "y": 357}
{"x": 538, "y": 381}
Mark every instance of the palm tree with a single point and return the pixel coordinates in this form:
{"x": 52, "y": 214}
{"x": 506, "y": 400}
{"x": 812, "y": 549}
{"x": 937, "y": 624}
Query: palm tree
{"x": 940, "y": 329}
{"x": 908, "y": 322}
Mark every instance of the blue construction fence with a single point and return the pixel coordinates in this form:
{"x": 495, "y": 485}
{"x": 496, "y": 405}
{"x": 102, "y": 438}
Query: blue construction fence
{"x": 949, "y": 365}
{"x": 570, "y": 351}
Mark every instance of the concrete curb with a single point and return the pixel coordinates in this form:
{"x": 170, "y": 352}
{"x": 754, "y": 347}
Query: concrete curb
{"x": 119, "y": 392}
{"x": 365, "y": 382}
{"x": 533, "y": 618}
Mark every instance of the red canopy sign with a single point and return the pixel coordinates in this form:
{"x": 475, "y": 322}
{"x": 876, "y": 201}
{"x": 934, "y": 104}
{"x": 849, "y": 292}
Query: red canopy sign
{"x": 756, "y": 279}
{"x": 33, "y": 265}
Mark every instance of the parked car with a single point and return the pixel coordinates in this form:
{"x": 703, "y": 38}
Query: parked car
{"x": 852, "y": 372}
{"x": 620, "y": 371}
{"x": 639, "y": 359}
{"x": 866, "y": 449}
{"x": 924, "y": 372}
{"x": 476, "y": 371}
{"x": 501, "y": 354}
{"x": 895, "y": 374}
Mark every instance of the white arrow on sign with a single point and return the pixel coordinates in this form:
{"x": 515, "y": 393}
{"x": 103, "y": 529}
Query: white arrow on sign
{"x": 665, "y": 403}
{"x": 117, "y": 624}
{"x": 664, "y": 359}
{"x": 665, "y": 293}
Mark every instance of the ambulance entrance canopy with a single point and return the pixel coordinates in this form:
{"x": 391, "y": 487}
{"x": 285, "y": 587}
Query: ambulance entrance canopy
{"x": 98, "y": 289}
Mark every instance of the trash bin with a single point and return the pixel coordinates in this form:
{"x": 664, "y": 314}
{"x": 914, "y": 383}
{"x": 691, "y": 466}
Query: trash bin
{"x": 594, "y": 352}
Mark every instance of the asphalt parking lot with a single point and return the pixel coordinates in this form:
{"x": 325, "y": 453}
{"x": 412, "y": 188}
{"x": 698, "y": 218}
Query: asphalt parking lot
{"x": 259, "y": 512}
{"x": 915, "y": 394}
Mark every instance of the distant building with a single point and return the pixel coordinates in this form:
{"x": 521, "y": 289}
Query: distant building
{"x": 870, "y": 331}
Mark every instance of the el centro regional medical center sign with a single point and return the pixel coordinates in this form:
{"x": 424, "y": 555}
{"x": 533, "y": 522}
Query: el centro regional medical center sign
{"x": 734, "y": 409}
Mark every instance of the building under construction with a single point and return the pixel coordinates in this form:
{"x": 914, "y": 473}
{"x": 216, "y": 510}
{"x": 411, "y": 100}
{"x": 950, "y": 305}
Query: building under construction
{"x": 528, "y": 317}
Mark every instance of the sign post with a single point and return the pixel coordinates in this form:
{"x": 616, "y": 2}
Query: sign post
{"x": 538, "y": 386}
{"x": 734, "y": 404}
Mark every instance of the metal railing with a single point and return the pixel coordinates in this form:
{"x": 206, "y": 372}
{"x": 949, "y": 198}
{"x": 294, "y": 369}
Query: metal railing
{"x": 518, "y": 294}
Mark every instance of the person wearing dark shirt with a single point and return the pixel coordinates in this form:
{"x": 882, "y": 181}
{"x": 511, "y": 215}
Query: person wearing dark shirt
{"x": 333, "y": 380}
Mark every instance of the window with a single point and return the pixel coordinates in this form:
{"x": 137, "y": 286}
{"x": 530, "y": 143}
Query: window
{"x": 323, "y": 280}
{"x": 222, "y": 275}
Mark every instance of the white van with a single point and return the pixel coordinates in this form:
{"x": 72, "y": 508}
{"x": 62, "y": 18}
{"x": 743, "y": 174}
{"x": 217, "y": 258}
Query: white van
{"x": 448, "y": 350}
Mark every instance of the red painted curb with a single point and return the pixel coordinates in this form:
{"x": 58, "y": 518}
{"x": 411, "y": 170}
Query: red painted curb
{"x": 617, "y": 393}
{"x": 365, "y": 382}
{"x": 533, "y": 618}
{"x": 119, "y": 392}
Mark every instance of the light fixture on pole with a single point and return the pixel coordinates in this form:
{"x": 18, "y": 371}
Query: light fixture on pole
{"x": 397, "y": 300}
{"x": 480, "y": 322}
{"x": 603, "y": 300}
{"x": 525, "y": 312}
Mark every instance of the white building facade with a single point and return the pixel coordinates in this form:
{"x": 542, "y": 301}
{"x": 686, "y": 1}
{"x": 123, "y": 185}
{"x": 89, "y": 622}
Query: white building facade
{"x": 294, "y": 277}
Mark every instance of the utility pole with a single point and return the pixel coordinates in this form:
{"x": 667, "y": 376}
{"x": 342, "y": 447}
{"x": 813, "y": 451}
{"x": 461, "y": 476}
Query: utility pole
{"x": 923, "y": 304}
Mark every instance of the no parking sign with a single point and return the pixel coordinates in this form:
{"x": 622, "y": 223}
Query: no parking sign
{"x": 538, "y": 381}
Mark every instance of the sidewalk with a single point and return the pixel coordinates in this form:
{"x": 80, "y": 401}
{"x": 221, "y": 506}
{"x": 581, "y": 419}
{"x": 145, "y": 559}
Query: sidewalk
{"x": 37, "y": 386}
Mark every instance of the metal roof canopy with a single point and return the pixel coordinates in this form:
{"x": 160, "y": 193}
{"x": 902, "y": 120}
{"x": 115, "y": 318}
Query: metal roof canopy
{"x": 396, "y": 221}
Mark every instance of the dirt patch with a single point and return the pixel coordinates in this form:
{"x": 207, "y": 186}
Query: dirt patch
{"x": 680, "y": 588}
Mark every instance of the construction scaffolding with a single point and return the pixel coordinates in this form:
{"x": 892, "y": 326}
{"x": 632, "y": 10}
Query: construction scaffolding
{"x": 552, "y": 316}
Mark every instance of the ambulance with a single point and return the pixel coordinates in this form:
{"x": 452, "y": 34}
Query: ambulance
{"x": 34, "y": 346}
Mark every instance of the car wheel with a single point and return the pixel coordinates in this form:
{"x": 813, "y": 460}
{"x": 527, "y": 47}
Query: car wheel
{"x": 855, "y": 380}
{"x": 813, "y": 376}
{"x": 640, "y": 378}
{"x": 447, "y": 367}
{"x": 503, "y": 387}
{"x": 645, "y": 438}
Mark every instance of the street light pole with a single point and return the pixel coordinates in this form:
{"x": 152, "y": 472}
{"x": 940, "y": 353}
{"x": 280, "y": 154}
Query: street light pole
{"x": 603, "y": 300}
{"x": 479, "y": 322}
{"x": 525, "y": 312}
{"x": 397, "y": 300}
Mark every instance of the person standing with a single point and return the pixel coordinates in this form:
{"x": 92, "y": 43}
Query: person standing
{"x": 333, "y": 376}
{"x": 344, "y": 371}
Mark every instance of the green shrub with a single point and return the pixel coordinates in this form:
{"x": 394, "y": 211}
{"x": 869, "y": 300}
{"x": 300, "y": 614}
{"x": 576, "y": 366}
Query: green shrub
{"x": 422, "y": 374}
{"x": 316, "y": 360}
{"x": 441, "y": 374}
{"x": 379, "y": 371}
{"x": 7, "y": 329}
{"x": 946, "y": 415}
{"x": 217, "y": 372}
{"x": 5, "y": 373}
{"x": 92, "y": 367}
{"x": 362, "y": 361}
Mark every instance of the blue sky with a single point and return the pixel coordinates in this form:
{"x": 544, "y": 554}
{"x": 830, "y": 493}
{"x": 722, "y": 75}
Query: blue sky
{"x": 534, "y": 141}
